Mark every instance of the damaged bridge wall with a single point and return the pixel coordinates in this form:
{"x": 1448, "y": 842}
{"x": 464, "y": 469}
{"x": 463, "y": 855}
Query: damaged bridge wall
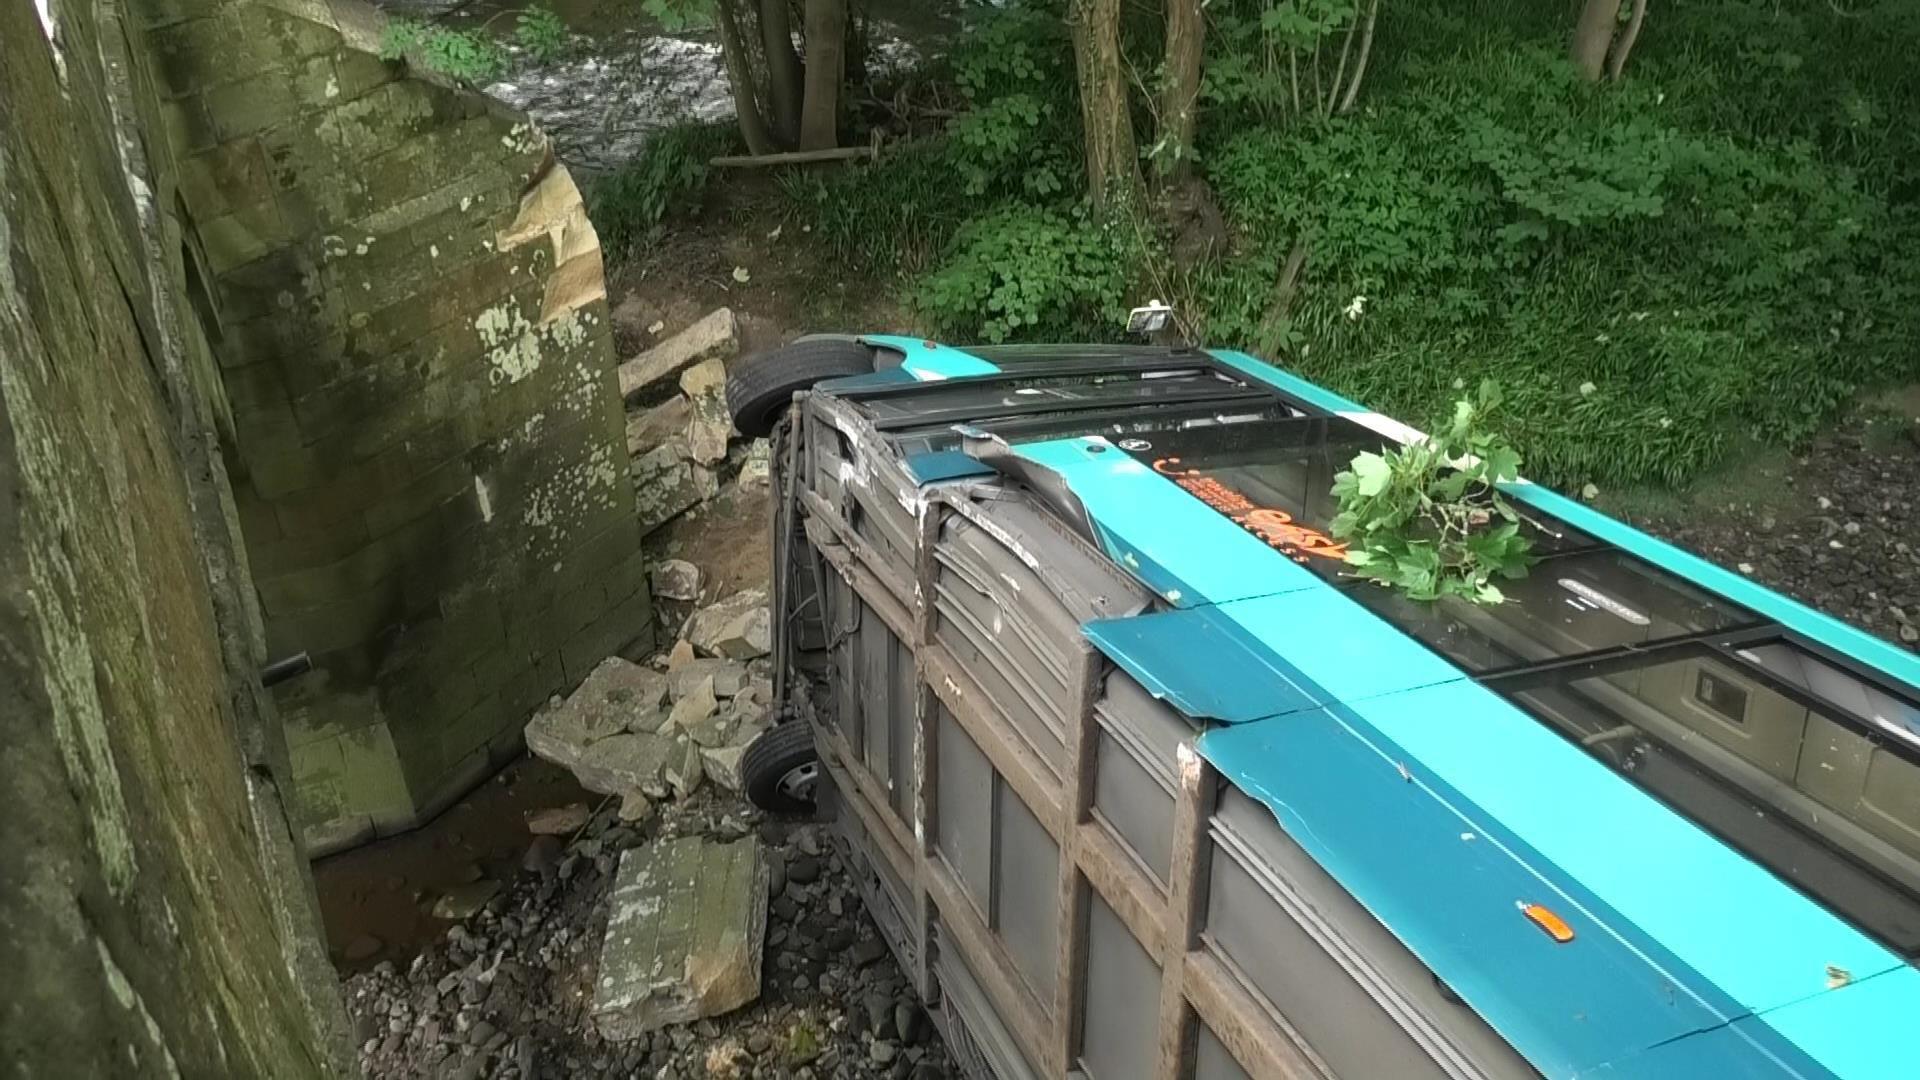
{"x": 428, "y": 450}
{"x": 155, "y": 916}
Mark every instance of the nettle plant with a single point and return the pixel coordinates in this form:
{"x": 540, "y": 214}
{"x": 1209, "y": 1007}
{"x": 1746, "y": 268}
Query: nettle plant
{"x": 1427, "y": 518}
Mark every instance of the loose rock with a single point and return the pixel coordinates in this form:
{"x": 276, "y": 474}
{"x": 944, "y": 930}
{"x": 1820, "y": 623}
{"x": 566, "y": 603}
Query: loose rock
{"x": 676, "y": 579}
{"x": 736, "y": 628}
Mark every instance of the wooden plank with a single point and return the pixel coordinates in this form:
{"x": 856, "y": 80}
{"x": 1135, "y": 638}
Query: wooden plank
{"x": 1127, "y": 889}
{"x": 1193, "y": 804}
{"x": 1264, "y": 1045}
{"x": 1022, "y": 1013}
{"x": 871, "y": 802}
{"x": 793, "y": 157}
{"x": 1009, "y": 755}
{"x": 1073, "y": 901}
{"x": 926, "y": 808}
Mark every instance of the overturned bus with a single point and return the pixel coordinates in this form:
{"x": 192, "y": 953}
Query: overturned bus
{"x": 1140, "y": 782}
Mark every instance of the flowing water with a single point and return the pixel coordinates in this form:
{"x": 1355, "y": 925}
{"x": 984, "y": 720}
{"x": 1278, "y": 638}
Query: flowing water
{"x": 624, "y": 76}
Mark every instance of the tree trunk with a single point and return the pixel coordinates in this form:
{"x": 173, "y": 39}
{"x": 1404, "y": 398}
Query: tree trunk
{"x": 1591, "y": 36}
{"x": 783, "y": 69}
{"x": 1113, "y": 161}
{"x": 826, "y": 67}
{"x": 1617, "y": 59}
{"x": 1360, "y": 66}
{"x": 1186, "y": 36}
{"x": 753, "y": 128}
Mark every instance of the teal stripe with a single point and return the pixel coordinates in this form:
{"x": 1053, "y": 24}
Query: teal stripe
{"x": 1285, "y": 380}
{"x": 929, "y": 361}
{"x": 1159, "y": 533}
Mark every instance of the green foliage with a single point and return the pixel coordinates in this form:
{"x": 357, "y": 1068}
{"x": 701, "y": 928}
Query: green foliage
{"x": 1270, "y": 59}
{"x": 1427, "y": 518}
{"x": 541, "y": 33}
{"x": 667, "y": 178}
{"x": 894, "y": 214}
{"x": 468, "y": 55}
{"x": 1025, "y": 272}
{"x": 1019, "y": 134}
{"x": 1498, "y": 218}
{"x": 678, "y": 15}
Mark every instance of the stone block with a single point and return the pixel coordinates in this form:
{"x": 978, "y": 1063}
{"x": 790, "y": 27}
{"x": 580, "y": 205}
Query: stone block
{"x": 243, "y": 235}
{"x": 715, "y": 336}
{"x": 684, "y": 938}
{"x": 665, "y": 485}
{"x": 709, "y": 425}
{"x": 225, "y": 178}
{"x": 723, "y": 766}
{"x": 650, "y": 428}
{"x": 726, "y": 677}
{"x": 736, "y": 628}
{"x": 676, "y": 579}
{"x": 627, "y": 622}
{"x": 241, "y": 108}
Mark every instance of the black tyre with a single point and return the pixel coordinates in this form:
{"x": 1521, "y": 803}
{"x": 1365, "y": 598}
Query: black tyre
{"x": 781, "y": 768}
{"x": 761, "y": 387}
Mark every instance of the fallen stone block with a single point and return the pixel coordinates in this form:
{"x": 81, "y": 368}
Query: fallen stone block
{"x": 649, "y": 429}
{"x": 680, "y": 656}
{"x": 684, "y": 937}
{"x": 558, "y": 820}
{"x": 666, "y": 485}
{"x": 756, "y": 472}
{"x": 716, "y": 335}
{"x": 736, "y": 628}
{"x": 676, "y": 579}
{"x": 694, "y": 706}
{"x": 464, "y": 900}
{"x": 714, "y": 730}
{"x": 723, "y": 766}
{"x": 624, "y": 763}
{"x": 684, "y": 770}
{"x": 709, "y": 425}
{"x": 728, "y": 676}
{"x": 615, "y": 695}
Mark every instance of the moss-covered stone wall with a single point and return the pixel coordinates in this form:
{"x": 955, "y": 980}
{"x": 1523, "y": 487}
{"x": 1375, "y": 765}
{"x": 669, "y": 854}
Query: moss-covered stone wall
{"x": 155, "y": 915}
{"x": 413, "y": 337}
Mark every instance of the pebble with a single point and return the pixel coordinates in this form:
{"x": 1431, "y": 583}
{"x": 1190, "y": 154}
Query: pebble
{"x": 906, "y": 1021}
{"x": 804, "y": 870}
{"x": 882, "y": 1051}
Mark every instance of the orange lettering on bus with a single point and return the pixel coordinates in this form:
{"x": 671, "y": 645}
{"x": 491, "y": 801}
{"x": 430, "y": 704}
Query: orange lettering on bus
{"x": 1276, "y": 527}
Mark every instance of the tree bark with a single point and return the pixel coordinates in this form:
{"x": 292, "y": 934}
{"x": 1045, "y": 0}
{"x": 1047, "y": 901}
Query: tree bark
{"x": 1113, "y": 160}
{"x": 746, "y": 111}
{"x": 1360, "y": 65}
{"x": 1617, "y": 59}
{"x": 826, "y": 68}
{"x": 783, "y": 69}
{"x": 1591, "y": 36}
{"x": 1180, "y": 97}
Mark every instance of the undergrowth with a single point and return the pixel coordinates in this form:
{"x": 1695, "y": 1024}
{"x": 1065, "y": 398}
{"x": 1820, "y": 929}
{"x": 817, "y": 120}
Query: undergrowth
{"x": 1713, "y": 250}
{"x": 668, "y": 179}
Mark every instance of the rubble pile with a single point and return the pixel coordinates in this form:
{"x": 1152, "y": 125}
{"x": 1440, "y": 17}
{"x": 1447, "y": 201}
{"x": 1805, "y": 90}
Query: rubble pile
{"x": 508, "y": 992}
{"x": 680, "y": 438}
{"x": 646, "y": 734}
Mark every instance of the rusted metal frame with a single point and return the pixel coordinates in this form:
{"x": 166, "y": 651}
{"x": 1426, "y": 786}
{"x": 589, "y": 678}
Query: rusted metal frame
{"x": 1071, "y": 912}
{"x": 1197, "y": 785}
{"x": 818, "y": 509}
{"x": 1024, "y": 1014}
{"x": 781, "y": 544}
{"x": 1126, "y": 888}
{"x": 926, "y": 750}
{"x": 866, "y": 585}
{"x": 1009, "y": 755}
{"x": 1264, "y": 1045}
{"x": 856, "y": 776}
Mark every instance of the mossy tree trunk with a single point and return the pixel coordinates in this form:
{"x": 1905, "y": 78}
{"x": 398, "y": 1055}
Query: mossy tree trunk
{"x": 1113, "y": 159}
{"x": 1180, "y": 95}
{"x": 1591, "y": 36}
{"x": 826, "y": 30}
{"x": 784, "y": 80}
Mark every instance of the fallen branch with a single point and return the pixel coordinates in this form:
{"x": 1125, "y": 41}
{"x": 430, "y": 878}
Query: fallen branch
{"x": 793, "y": 157}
